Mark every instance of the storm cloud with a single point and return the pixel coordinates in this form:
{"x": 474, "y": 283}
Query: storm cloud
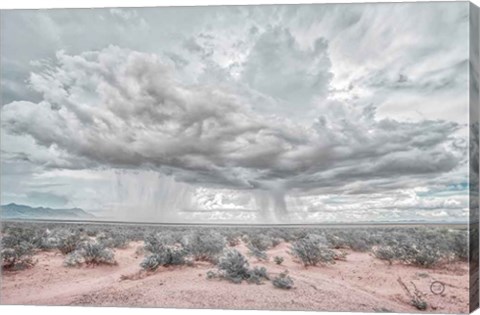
{"x": 126, "y": 109}
{"x": 305, "y": 104}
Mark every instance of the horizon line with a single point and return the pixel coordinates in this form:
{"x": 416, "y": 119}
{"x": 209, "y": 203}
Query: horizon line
{"x": 108, "y": 222}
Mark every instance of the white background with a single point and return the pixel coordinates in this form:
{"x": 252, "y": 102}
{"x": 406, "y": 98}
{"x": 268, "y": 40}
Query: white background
{"x": 56, "y": 310}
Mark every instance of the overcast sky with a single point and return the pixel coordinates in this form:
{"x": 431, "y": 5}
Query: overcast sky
{"x": 299, "y": 113}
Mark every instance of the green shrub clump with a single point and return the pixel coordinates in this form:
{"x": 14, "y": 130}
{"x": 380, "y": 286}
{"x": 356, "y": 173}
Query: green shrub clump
{"x": 261, "y": 241}
{"x": 67, "y": 241}
{"x": 234, "y": 267}
{"x": 16, "y": 253}
{"x": 113, "y": 239}
{"x": 168, "y": 255}
{"x": 411, "y": 254}
{"x": 90, "y": 253}
{"x": 278, "y": 260}
{"x": 257, "y": 253}
{"x": 205, "y": 246}
{"x": 312, "y": 251}
{"x": 283, "y": 281}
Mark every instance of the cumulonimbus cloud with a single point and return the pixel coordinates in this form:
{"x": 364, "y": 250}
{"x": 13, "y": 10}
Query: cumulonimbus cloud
{"x": 126, "y": 109}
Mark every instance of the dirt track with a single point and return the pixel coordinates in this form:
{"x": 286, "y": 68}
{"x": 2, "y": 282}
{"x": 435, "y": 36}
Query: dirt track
{"x": 360, "y": 283}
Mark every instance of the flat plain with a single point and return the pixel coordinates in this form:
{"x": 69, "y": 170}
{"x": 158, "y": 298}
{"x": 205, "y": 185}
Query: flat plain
{"x": 383, "y": 269}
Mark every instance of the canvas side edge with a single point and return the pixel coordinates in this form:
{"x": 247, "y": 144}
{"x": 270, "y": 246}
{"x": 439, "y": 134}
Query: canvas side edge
{"x": 474, "y": 67}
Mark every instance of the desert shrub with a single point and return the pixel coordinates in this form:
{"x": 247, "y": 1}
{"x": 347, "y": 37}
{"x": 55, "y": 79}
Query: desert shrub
{"x": 417, "y": 254}
{"x": 18, "y": 246}
{"x": 155, "y": 243}
{"x": 422, "y": 247}
{"x": 257, "y": 253}
{"x": 233, "y": 240}
{"x": 43, "y": 239}
{"x": 276, "y": 241}
{"x": 287, "y": 235}
{"x": 96, "y": 253}
{"x": 205, "y": 246}
{"x": 168, "y": 255}
{"x": 74, "y": 258}
{"x": 119, "y": 240}
{"x": 385, "y": 253}
{"x": 113, "y": 239}
{"x": 459, "y": 245}
{"x": 278, "y": 260}
{"x": 455, "y": 243}
{"x": 336, "y": 241}
{"x": 423, "y": 256}
{"x": 340, "y": 255}
{"x": 91, "y": 231}
{"x": 260, "y": 241}
{"x": 360, "y": 245}
{"x": 257, "y": 274}
{"x": 48, "y": 242}
{"x": 211, "y": 274}
{"x": 245, "y": 238}
{"x": 16, "y": 253}
{"x": 283, "y": 281}
{"x": 311, "y": 251}
{"x": 358, "y": 240}
{"x": 419, "y": 304}
{"x": 90, "y": 253}
{"x": 32, "y": 235}
{"x": 234, "y": 267}
{"x": 67, "y": 241}
{"x": 151, "y": 262}
{"x": 416, "y": 297}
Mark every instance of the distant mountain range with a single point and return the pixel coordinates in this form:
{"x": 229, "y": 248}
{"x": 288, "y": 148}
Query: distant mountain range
{"x": 14, "y": 211}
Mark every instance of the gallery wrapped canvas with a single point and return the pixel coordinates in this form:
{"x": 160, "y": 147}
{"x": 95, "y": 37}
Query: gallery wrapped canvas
{"x": 319, "y": 157}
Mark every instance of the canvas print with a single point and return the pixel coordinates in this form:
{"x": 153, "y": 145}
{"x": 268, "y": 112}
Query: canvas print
{"x": 318, "y": 157}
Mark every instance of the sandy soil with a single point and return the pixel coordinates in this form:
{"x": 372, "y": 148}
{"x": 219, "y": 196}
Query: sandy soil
{"x": 360, "y": 283}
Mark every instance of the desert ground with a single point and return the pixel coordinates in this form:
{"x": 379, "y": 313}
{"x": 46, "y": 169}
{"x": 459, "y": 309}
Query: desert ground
{"x": 354, "y": 281}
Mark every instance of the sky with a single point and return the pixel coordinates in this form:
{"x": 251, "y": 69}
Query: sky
{"x": 251, "y": 114}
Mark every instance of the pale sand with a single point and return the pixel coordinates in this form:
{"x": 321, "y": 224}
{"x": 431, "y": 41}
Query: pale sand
{"x": 360, "y": 283}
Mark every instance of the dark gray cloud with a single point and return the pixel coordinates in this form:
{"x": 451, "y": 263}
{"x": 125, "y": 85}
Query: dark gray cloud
{"x": 125, "y": 109}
